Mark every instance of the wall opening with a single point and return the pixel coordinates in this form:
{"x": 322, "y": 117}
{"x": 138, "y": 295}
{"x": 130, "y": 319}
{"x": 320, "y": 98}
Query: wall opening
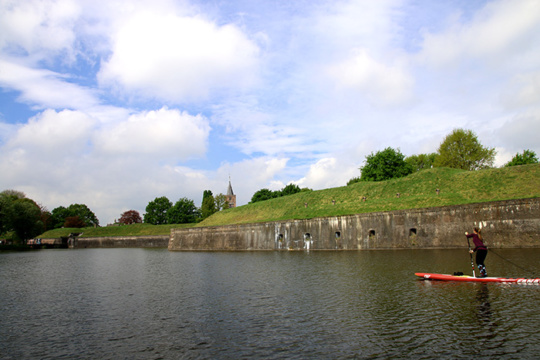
{"x": 307, "y": 236}
{"x": 371, "y": 233}
{"x": 412, "y": 237}
{"x": 280, "y": 237}
{"x": 338, "y": 235}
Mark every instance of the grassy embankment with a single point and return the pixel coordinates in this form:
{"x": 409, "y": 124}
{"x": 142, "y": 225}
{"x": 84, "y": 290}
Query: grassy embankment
{"x": 108, "y": 231}
{"x": 416, "y": 191}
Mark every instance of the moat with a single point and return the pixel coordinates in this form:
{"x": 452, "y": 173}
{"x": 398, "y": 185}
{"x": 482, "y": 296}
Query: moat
{"x": 153, "y": 303}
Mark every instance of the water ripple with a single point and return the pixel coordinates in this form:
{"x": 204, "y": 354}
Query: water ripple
{"x": 153, "y": 304}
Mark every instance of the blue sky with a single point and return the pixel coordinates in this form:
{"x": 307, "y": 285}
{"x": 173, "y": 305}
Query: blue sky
{"x": 113, "y": 103}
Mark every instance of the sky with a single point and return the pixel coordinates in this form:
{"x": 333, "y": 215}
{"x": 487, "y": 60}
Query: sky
{"x": 112, "y": 103}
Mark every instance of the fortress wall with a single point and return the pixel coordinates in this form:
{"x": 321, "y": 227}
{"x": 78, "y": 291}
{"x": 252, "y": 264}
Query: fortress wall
{"x": 512, "y": 223}
{"x": 121, "y": 242}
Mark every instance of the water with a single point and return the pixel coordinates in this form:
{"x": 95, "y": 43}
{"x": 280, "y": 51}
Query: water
{"x": 155, "y": 304}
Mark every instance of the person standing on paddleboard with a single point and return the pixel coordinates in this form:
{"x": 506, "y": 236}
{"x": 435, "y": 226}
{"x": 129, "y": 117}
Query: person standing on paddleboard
{"x": 480, "y": 249}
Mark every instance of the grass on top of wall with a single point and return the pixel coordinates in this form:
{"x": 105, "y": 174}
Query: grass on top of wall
{"x": 122, "y": 230}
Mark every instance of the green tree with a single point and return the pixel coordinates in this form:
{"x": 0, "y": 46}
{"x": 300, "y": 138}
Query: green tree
{"x": 421, "y": 161}
{"x": 290, "y": 190}
{"x": 462, "y": 150}
{"x": 183, "y": 211}
{"x": 263, "y": 194}
{"x": 14, "y": 194}
{"x": 83, "y": 212}
{"x": 60, "y": 214}
{"x": 384, "y": 165}
{"x": 221, "y": 202}
{"x": 208, "y": 206}
{"x": 58, "y": 217}
{"x": 26, "y": 219}
{"x": 354, "y": 180}
{"x": 6, "y": 212}
{"x": 527, "y": 157}
{"x": 20, "y": 215}
{"x": 156, "y": 211}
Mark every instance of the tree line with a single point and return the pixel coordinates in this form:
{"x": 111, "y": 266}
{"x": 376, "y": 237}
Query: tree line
{"x": 162, "y": 211}
{"x": 22, "y": 218}
{"x": 266, "y": 194}
{"x": 461, "y": 149}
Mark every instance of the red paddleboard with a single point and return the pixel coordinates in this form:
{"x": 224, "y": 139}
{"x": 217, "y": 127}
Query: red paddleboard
{"x": 444, "y": 277}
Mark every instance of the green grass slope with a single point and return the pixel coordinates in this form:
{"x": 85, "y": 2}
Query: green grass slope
{"x": 416, "y": 191}
{"x": 108, "y": 231}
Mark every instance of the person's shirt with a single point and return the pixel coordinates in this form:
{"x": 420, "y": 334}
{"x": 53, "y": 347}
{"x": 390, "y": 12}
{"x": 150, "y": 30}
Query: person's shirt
{"x": 477, "y": 242}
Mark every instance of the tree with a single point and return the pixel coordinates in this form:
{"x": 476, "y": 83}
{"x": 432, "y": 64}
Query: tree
{"x": 26, "y": 219}
{"x": 6, "y": 212}
{"x": 354, "y": 180}
{"x": 263, "y": 194}
{"x": 421, "y": 161}
{"x": 208, "y": 206}
{"x": 462, "y": 150}
{"x": 14, "y": 194}
{"x": 184, "y": 211}
{"x": 384, "y": 165}
{"x": 60, "y": 214}
{"x": 74, "y": 222}
{"x": 290, "y": 190}
{"x": 83, "y": 212}
{"x": 156, "y": 211}
{"x": 58, "y": 217}
{"x": 130, "y": 217}
{"x": 527, "y": 157}
{"x": 20, "y": 215}
{"x": 221, "y": 202}
{"x": 46, "y": 217}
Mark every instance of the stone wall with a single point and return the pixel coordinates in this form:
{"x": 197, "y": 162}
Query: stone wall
{"x": 121, "y": 242}
{"x": 513, "y": 223}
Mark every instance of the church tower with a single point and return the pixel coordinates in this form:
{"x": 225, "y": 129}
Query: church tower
{"x": 231, "y": 198}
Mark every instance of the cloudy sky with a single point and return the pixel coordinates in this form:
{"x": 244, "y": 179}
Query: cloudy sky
{"x": 112, "y": 103}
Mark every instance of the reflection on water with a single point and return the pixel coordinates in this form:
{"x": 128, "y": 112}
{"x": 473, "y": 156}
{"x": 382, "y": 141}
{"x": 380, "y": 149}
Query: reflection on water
{"x": 137, "y": 303}
{"x": 484, "y": 307}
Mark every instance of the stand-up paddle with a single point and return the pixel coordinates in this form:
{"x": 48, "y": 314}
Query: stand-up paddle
{"x": 470, "y": 254}
{"x": 460, "y": 277}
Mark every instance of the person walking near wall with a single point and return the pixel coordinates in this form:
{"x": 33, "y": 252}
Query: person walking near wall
{"x": 480, "y": 249}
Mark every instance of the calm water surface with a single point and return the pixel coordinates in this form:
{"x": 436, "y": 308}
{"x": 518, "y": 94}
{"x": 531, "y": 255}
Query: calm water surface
{"x": 155, "y": 304}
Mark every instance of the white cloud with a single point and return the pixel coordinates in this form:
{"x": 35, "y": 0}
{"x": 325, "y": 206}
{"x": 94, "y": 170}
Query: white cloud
{"x": 263, "y": 133}
{"x": 523, "y": 91}
{"x": 52, "y": 133}
{"x": 165, "y": 133}
{"x": 47, "y": 149}
{"x": 521, "y": 132}
{"x": 328, "y": 173}
{"x": 179, "y": 58}
{"x": 497, "y": 32}
{"x": 36, "y": 26}
{"x": 382, "y": 84}
{"x": 44, "y": 88}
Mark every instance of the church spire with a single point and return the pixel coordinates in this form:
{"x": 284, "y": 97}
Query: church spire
{"x": 229, "y": 189}
{"x": 231, "y": 198}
